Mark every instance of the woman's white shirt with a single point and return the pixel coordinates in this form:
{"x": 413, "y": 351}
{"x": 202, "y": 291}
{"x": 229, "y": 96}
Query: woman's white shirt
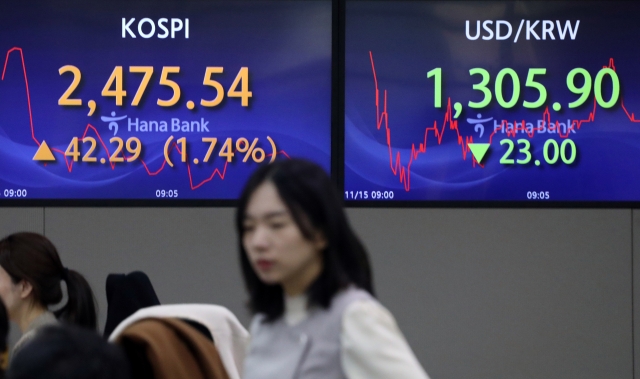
{"x": 372, "y": 345}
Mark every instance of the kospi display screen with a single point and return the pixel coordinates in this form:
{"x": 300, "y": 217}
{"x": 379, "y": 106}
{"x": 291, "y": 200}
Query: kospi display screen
{"x": 526, "y": 101}
{"x": 159, "y": 100}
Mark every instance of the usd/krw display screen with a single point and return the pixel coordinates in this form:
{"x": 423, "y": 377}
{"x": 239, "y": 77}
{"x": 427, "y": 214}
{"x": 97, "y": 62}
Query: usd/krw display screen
{"x": 159, "y": 100}
{"x": 492, "y": 101}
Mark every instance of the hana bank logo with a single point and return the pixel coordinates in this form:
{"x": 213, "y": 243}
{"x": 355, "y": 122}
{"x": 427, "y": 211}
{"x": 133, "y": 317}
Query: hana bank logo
{"x": 478, "y": 122}
{"x": 113, "y": 121}
{"x": 523, "y": 127}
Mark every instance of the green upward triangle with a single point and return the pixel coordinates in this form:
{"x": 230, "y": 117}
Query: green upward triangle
{"x": 479, "y": 150}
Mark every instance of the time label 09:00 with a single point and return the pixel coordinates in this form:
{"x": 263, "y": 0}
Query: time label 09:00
{"x": 15, "y": 193}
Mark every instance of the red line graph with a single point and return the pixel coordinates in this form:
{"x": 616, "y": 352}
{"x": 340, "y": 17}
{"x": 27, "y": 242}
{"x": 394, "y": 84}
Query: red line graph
{"x": 69, "y": 163}
{"x": 404, "y": 171}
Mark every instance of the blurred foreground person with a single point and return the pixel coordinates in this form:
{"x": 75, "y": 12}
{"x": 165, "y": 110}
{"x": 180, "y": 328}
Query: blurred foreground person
{"x": 310, "y": 285}
{"x": 69, "y": 352}
{"x": 30, "y": 287}
{"x": 4, "y": 333}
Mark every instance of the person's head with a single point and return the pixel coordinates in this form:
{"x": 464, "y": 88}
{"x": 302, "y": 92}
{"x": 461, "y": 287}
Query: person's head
{"x": 126, "y": 294}
{"x": 69, "y": 352}
{"x": 30, "y": 277}
{"x": 294, "y": 236}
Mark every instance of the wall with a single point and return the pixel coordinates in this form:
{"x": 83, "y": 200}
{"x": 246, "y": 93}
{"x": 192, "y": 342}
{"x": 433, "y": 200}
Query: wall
{"x": 479, "y": 293}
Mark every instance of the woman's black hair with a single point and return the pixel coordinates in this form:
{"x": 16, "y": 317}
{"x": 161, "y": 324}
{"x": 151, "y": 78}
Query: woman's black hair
{"x": 315, "y": 205}
{"x": 33, "y": 258}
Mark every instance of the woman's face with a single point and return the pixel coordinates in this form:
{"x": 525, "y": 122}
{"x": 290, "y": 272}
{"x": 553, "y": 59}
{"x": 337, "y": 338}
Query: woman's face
{"x": 277, "y": 250}
{"x": 9, "y": 293}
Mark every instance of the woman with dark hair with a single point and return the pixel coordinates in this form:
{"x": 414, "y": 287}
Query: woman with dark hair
{"x": 30, "y": 287}
{"x": 309, "y": 284}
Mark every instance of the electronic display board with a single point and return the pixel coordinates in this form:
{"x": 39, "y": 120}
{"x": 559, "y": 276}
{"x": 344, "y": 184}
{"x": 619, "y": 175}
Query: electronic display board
{"x": 113, "y": 100}
{"x": 492, "y": 101}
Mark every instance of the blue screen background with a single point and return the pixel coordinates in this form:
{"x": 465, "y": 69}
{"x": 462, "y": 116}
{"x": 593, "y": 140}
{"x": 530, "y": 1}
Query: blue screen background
{"x": 408, "y": 39}
{"x": 286, "y": 46}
